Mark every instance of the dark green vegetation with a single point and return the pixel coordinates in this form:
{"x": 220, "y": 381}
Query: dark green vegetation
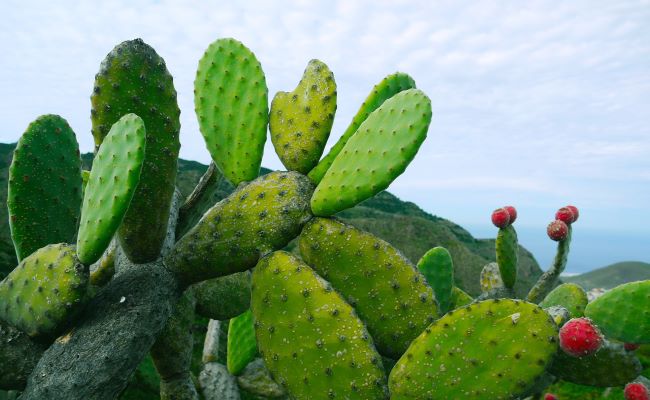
{"x": 612, "y": 275}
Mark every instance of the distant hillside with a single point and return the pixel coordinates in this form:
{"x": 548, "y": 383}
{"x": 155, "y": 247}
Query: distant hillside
{"x": 403, "y": 224}
{"x": 612, "y": 275}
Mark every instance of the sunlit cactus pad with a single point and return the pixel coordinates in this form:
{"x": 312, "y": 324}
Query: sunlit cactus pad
{"x": 623, "y": 313}
{"x": 231, "y": 103}
{"x": 45, "y": 291}
{"x": 494, "y": 349}
{"x": 133, "y": 78}
{"x": 568, "y": 295}
{"x": 437, "y": 267}
{"x": 388, "y": 292}
{"x": 310, "y": 339}
{"x": 44, "y": 195}
{"x": 111, "y": 185}
{"x": 242, "y": 347}
{"x": 301, "y": 120}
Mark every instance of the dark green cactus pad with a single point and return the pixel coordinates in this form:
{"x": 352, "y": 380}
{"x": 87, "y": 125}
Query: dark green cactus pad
{"x": 610, "y": 366}
{"x": 44, "y": 195}
{"x": 309, "y": 337}
{"x": 376, "y": 154}
{"x": 387, "y": 88}
{"x": 242, "y": 347}
{"x": 507, "y": 249}
{"x": 494, "y": 349}
{"x": 133, "y": 78}
{"x": 568, "y": 295}
{"x": 438, "y": 269}
{"x": 491, "y": 277}
{"x": 113, "y": 181}
{"x": 623, "y": 313}
{"x": 300, "y": 121}
{"x": 459, "y": 298}
{"x": 224, "y": 298}
{"x": 254, "y": 220}
{"x": 390, "y": 295}
{"x": 45, "y": 292}
{"x": 231, "y": 104}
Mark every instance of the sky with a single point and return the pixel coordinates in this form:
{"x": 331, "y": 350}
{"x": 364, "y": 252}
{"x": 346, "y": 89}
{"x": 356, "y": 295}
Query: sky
{"x": 537, "y": 104}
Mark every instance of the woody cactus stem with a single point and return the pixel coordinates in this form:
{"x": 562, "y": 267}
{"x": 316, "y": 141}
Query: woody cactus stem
{"x": 549, "y": 279}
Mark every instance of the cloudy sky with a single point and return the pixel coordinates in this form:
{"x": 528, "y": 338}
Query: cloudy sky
{"x": 538, "y": 105}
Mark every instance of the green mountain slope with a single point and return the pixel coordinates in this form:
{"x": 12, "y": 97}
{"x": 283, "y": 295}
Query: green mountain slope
{"x": 612, "y": 275}
{"x": 402, "y": 224}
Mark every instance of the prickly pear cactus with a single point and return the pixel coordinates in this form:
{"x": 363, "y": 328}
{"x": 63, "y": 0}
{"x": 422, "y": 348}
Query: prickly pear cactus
{"x": 301, "y": 120}
{"x": 111, "y": 185}
{"x": 231, "y": 104}
{"x": 133, "y": 78}
{"x": 44, "y": 194}
{"x": 459, "y": 298}
{"x": 491, "y": 277}
{"x": 384, "y": 90}
{"x": 376, "y": 154}
{"x": 242, "y": 347}
{"x": 256, "y": 219}
{"x": 568, "y": 295}
{"x": 223, "y": 298}
{"x": 507, "y": 249}
{"x": 331, "y": 354}
{"x": 494, "y": 349}
{"x": 45, "y": 291}
{"x": 386, "y": 290}
{"x": 438, "y": 269}
{"x": 623, "y": 313}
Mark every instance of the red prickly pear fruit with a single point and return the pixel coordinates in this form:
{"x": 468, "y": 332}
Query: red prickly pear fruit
{"x": 550, "y": 396}
{"x": 631, "y": 346}
{"x": 557, "y": 230}
{"x": 566, "y": 215}
{"x": 512, "y": 212}
{"x": 580, "y": 337}
{"x": 500, "y": 217}
{"x": 575, "y": 212}
{"x": 636, "y": 391}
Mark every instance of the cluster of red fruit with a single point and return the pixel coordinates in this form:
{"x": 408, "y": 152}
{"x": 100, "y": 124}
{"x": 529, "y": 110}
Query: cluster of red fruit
{"x": 565, "y": 216}
{"x": 633, "y": 391}
{"x": 504, "y": 216}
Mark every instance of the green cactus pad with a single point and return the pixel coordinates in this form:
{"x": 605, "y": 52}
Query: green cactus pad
{"x": 45, "y": 292}
{"x": 301, "y": 121}
{"x": 103, "y": 270}
{"x": 387, "y": 88}
{"x": 224, "y": 298}
{"x": 231, "y": 104}
{"x": 257, "y": 218}
{"x": 494, "y": 349}
{"x": 379, "y": 152}
{"x": 570, "y": 296}
{"x": 309, "y": 337}
{"x": 242, "y": 347}
{"x": 507, "y": 249}
{"x": 111, "y": 185}
{"x": 459, "y": 298}
{"x": 491, "y": 277}
{"x": 623, "y": 313}
{"x": 85, "y": 174}
{"x": 390, "y": 295}
{"x": 438, "y": 269}
{"x": 610, "y": 366}
{"x": 133, "y": 78}
{"x": 44, "y": 195}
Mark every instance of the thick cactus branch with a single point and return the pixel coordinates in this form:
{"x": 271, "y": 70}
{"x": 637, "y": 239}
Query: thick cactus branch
{"x": 549, "y": 279}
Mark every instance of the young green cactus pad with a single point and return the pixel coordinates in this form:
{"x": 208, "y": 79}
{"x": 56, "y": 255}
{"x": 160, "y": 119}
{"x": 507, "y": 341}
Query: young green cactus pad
{"x": 231, "y": 103}
{"x": 491, "y": 277}
{"x": 133, "y": 78}
{"x": 459, "y": 298}
{"x": 256, "y": 219}
{"x": 45, "y": 291}
{"x": 608, "y": 367}
{"x": 376, "y": 154}
{"x": 390, "y": 295}
{"x": 568, "y": 295}
{"x": 623, "y": 313}
{"x": 111, "y": 185}
{"x": 494, "y": 349}
{"x": 44, "y": 193}
{"x": 300, "y": 121}
{"x": 242, "y": 347}
{"x": 387, "y": 88}
{"x": 225, "y": 297}
{"x": 438, "y": 269}
{"x": 507, "y": 249}
{"x": 310, "y": 339}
